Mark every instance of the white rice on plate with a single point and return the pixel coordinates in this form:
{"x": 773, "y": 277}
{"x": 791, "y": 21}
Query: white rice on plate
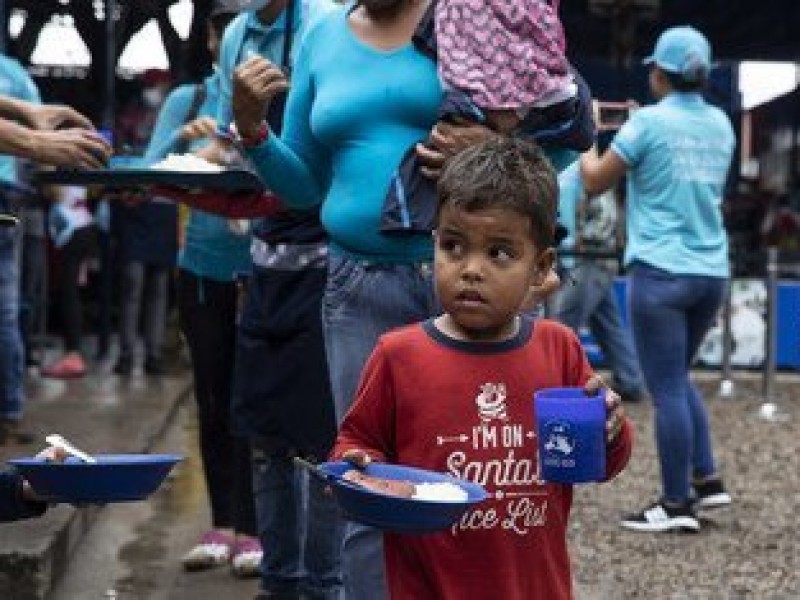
{"x": 188, "y": 163}
{"x": 439, "y": 492}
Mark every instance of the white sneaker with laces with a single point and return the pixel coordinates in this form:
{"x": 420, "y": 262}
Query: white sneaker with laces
{"x": 662, "y": 517}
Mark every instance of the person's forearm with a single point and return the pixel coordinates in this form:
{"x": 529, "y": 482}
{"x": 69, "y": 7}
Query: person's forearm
{"x": 17, "y": 140}
{"x": 286, "y": 174}
{"x": 13, "y": 108}
{"x": 600, "y": 173}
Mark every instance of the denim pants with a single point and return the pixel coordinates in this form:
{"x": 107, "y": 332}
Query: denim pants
{"x": 362, "y": 301}
{"x": 300, "y": 529}
{"x": 149, "y": 283}
{"x": 590, "y": 300}
{"x": 12, "y": 361}
{"x": 670, "y": 315}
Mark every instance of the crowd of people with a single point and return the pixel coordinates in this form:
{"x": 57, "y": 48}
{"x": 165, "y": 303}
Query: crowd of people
{"x": 402, "y": 248}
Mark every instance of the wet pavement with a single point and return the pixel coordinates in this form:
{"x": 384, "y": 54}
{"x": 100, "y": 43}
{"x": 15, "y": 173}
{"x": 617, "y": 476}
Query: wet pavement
{"x": 100, "y": 413}
{"x": 133, "y": 550}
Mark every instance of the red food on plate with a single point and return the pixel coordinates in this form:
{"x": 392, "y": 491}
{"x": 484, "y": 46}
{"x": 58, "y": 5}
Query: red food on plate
{"x": 392, "y": 487}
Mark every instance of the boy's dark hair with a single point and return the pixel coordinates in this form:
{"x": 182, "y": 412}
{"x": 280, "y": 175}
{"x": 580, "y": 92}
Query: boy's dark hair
{"x": 681, "y": 83}
{"x": 506, "y": 173}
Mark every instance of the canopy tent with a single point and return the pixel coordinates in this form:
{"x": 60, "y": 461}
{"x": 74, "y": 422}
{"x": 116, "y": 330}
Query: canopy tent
{"x": 738, "y": 29}
{"x": 615, "y": 32}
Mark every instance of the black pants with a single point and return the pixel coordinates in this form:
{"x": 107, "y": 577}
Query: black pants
{"x": 207, "y": 311}
{"x": 73, "y": 253}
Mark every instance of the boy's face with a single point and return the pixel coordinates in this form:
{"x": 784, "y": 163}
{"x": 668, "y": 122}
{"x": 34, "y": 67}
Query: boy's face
{"x": 485, "y": 264}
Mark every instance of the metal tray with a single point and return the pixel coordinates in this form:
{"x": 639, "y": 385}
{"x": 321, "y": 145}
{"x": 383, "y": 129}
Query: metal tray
{"x": 230, "y": 181}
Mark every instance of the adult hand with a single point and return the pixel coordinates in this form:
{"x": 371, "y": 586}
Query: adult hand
{"x": 220, "y": 152}
{"x": 447, "y": 140}
{"x": 615, "y": 414}
{"x": 48, "y": 117}
{"x": 76, "y": 148}
{"x": 255, "y": 83}
{"x": 199, "y": 128}
{"x": 49, "y": 454}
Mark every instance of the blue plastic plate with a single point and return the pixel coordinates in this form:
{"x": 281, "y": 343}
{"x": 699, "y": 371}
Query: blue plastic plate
{"x": 113, "y": 478}
{"x": 392, "y": 513}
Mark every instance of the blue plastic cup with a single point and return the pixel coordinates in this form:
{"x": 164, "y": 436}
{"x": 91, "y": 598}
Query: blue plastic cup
{"x": 570, "y": 429}
{"x": 107, "y": 135}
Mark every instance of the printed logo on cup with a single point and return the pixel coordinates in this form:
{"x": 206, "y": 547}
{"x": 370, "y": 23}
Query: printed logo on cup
{"x": 571, "y": 435}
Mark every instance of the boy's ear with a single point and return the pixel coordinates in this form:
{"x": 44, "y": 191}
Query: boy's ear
{"x": 544, "y": 265}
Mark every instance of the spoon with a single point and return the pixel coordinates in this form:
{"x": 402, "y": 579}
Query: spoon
{"x": 59, "y": 442}
{"x": 325, "y": 476}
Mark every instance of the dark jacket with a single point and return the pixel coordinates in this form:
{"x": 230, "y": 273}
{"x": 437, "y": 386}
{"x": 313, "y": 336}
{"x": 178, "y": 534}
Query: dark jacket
{"x": 12, "y": 505}
{"x": 410, "y": 204}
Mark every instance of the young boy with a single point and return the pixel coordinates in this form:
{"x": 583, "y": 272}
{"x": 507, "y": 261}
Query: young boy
{"x": 455, "y": 393}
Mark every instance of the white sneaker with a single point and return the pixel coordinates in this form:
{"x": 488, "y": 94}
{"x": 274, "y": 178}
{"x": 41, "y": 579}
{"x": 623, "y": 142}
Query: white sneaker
{"x": 661, "y": 517}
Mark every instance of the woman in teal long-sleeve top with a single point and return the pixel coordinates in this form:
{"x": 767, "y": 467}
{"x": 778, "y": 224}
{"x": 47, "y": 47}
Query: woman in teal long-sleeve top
{"x": 360, "y": 95}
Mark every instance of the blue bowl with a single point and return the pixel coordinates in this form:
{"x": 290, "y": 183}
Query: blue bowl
{"x": 113, "y": 478}
{"x": 393, "y": 513}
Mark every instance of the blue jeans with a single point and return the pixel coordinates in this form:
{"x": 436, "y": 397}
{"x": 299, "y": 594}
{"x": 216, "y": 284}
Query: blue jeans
{"x": 590, "y": 300}
{"x": 670, "y": 315}
{"x": 12, "y": 354}
{"x": 363, "y": 301}
{"x": 300, "y": 529}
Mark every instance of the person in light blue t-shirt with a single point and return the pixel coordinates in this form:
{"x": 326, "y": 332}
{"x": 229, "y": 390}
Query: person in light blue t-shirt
{"x": 14, "y": 82}
{"x": 676, "y": 155}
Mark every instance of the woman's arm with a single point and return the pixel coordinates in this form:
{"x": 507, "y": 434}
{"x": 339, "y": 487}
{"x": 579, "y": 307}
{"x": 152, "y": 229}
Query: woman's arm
{"x": 600, "y": 173}
{"x": 295, "y": 166}
{"x": 77, "y": 148}
{"x": 42, "y": 116}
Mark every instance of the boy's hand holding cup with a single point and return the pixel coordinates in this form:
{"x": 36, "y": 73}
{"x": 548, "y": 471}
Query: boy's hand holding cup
{"x": 615, "y": 414}
{"x": 574, "y": 426}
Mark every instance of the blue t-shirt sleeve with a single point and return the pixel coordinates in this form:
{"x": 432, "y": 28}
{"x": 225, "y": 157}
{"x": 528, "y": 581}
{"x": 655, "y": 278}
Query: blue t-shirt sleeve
{"x": 629, "y": 143}
{"x": 296, "y": 166}
{"x": 24, "y": 87}
{"x": 28, "y": 90}
{"x": 169, "y": 123}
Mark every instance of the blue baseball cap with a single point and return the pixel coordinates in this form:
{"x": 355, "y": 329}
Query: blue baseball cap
{"x": 683, "y": 51}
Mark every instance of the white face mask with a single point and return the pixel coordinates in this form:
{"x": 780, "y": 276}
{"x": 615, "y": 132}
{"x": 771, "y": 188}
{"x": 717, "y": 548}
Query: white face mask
{"x": 153, "y": 97}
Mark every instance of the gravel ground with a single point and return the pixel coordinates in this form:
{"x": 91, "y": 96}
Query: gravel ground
{"x": 749, "y": 550}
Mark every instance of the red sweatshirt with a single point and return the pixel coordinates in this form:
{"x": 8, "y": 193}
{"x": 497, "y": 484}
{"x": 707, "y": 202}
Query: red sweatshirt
{"x": 467, "y": 409}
